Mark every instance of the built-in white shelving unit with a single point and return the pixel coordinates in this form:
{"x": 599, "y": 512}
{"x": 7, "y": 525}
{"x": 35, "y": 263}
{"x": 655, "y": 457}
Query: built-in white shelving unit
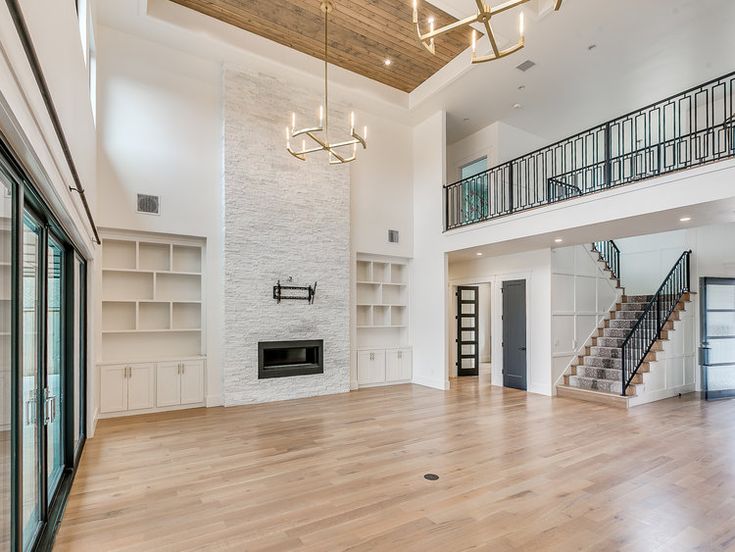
{"x": 152, "y": 315}
{"x": 382, "y": 320}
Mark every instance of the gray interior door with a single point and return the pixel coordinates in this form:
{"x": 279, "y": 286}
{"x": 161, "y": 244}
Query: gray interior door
{"x": 717, "y": 350}
{"x": 514, "y": 334}
{"x": 468, "y": 337}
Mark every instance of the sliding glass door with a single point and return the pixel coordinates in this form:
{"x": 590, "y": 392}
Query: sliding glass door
{"x": 7, "y": 193}
{"x": 31, "y": 384}
{"x": 42, "y": 363}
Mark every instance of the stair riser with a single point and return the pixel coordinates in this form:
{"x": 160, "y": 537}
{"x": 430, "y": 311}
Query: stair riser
{"x": 597, "y": 362}
{"x": 604, "y": 352}
{"x": 609, "y": 342}
{"x": 628, "y": 315}
{"x": 637, "y": 298}
{"x": 622, "y": 324}
{"x": 606, "y": 386}
{"x": 616, "y": 332}
{"x": 633, "y": 306}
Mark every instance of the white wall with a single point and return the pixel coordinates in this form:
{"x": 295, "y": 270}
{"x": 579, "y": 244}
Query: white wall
{"x": 160, "y": 132}
{"x": 160, "y": 120}
{"x": 582, "y": 294}
{"x": 429, "y": 284}
{"x": 27, "y": 126}
{"x": 485, "y": 321}
{"x": 499, "y": 142}
{"x": 535, "y": 268}
{"x": 646, "y": 260}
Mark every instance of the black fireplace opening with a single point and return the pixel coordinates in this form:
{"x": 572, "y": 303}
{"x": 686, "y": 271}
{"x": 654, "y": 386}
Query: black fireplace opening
{"x": 281, "y": 359}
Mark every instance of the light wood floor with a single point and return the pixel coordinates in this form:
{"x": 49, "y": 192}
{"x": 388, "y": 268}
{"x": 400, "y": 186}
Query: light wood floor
{"x": 517, "y": 472}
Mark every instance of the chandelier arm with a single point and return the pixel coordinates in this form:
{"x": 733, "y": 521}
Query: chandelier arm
{"x": 501, "y": 54}
{"x": 297, "y": 155}
{"x": 347, "y": 143}
{"x": 297, "y": 133}
{"x": 509, "y": 5}
{"x": 491, "y": 38}
{"x": 337, "y": 155}
{"x": 557, "y": 6}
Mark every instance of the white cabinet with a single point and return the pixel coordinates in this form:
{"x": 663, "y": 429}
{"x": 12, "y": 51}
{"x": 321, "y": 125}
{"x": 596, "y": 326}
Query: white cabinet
{"x": 180, "y": 383}
{"x": 192, "y": 382}
{"x": 126, "y": 387}
{"x": 168, "y": 384}
{"x": 371, "y": 367}
{"x": 151, "y": 386}
{"x": 397, "y": 365}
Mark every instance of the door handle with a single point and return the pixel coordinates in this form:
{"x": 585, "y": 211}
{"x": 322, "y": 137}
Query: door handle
{"x": 521, "y": 348}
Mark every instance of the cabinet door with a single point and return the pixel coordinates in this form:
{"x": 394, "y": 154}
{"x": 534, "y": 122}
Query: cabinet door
{"x": 406, "y": 364}
{"x": 192, "y": 382}
{"x": 141, "y": 386}
{"x": 370, "y": 367}
{"x": 168, "y": 384}
{"x": 392, "y": 365}
{"x": 113, "y": 389}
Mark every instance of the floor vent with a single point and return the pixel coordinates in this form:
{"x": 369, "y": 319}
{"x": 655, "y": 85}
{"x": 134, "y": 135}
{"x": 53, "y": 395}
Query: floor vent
{"x": 149, "y": 204}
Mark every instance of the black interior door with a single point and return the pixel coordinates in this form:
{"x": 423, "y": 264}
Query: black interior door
{"x": 717, "y": 350}
{"x": 468, "y": 337}
{"x": 514, "y": 334}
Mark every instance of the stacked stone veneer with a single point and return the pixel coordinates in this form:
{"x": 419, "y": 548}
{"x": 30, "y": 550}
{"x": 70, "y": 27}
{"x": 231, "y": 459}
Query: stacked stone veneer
{"x": 283, "y": 217}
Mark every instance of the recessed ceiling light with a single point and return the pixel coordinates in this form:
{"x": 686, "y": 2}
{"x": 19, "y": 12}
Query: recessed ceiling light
{"x": 466, "y": 119}
{"x": 479, "y": 253}
{"x": 522, "y": 87}
{"x": 387, "y": 62}
{"x": 558, "y": 240}
{"x": 592, "y": 46}
{"x": 517, "y": 106}
{"x": 685, "y": 219}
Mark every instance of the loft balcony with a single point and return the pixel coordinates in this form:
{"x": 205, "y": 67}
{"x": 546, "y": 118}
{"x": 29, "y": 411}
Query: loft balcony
{"x": 687, "y": 130}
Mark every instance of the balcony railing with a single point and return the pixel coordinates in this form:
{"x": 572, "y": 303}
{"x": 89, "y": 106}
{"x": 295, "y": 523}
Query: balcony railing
{"x": 689, "y": 129}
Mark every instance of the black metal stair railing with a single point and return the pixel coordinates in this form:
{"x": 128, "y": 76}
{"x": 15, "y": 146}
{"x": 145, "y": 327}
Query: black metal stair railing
{"x": 609, "y": 253}
{"x": 651, "y": 323}
{"x": 686, "y": 130}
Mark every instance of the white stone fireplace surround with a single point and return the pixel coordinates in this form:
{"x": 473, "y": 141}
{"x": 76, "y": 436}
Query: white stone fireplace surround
{"x": 283, "y": 217}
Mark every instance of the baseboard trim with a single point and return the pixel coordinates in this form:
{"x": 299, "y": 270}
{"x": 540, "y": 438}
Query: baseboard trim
{"x": 214, "y": 400}
{"x": 434, "y": 384}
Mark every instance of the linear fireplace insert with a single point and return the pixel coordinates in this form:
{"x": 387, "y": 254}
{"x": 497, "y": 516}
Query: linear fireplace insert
{"x": 280, "y": 359}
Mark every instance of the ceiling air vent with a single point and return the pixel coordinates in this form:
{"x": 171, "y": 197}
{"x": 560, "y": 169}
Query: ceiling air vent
{"x": 149, "y": 204}
{"x": 393, "y": 236}
{"x": 526, "y": 65}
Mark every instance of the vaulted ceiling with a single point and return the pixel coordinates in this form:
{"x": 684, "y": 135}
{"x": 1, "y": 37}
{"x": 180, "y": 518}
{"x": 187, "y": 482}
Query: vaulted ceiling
{"x": 362, "y": 34}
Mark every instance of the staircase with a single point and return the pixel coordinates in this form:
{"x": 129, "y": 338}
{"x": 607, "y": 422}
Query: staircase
{"x": 597, "y": 373}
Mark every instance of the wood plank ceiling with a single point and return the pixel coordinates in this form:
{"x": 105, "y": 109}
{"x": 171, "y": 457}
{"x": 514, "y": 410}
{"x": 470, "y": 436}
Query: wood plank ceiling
{"x": 362, "y": 34}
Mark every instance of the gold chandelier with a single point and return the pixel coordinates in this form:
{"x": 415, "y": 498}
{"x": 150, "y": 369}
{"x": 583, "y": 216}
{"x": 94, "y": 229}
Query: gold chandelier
{"x": 319, "y": 134}
{"x": 484, "y": 14}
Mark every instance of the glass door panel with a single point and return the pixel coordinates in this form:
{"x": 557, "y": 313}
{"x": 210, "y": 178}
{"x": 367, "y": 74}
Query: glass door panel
{"x": 31, "y": 384}
{"x": 54, "y": 397}
{"x": 718, "y": 337}
{"x": 6, "y": 221}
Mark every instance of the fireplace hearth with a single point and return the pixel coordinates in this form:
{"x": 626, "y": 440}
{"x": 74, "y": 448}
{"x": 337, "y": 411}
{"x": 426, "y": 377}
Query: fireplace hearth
{"x": 281, "y": 359}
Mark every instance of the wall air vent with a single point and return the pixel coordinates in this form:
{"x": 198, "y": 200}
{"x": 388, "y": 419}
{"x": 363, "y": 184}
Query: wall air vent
{"x": 526, "y": 65}
{"x": 393, "y": 236}
{"x": 149, "y": 204}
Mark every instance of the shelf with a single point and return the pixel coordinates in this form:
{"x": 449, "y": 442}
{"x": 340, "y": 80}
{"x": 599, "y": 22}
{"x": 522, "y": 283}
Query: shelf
{"x": 119, "y": 254}
{"x": 166, "y": 330}
{"x": 379, "y": 327}
{"x": 366, "y": 283}
{"x": 151, "y": 298}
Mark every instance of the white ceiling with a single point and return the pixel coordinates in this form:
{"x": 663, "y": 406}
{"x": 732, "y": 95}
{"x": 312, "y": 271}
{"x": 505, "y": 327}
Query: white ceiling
{"x": 715, "y": 212}
{"x": 646, "y": 50}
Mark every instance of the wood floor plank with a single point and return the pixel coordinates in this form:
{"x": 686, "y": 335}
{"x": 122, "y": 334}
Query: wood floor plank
{"x": 345, "y": 472}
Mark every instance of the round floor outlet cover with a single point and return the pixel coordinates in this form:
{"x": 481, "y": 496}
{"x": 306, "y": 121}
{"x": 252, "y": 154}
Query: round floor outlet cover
{"x": 431, "y": 476}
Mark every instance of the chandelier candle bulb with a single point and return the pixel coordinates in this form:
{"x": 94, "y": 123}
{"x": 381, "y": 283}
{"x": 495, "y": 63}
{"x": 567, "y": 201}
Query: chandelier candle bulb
{"x": 521, "y": 24}
{"x": 352, "y": 121}
{"x": 483, "y": 16}
{"x": 321, "y": 115}
{"x": 293, "y": 120}
{"x": 364, "y": 133}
